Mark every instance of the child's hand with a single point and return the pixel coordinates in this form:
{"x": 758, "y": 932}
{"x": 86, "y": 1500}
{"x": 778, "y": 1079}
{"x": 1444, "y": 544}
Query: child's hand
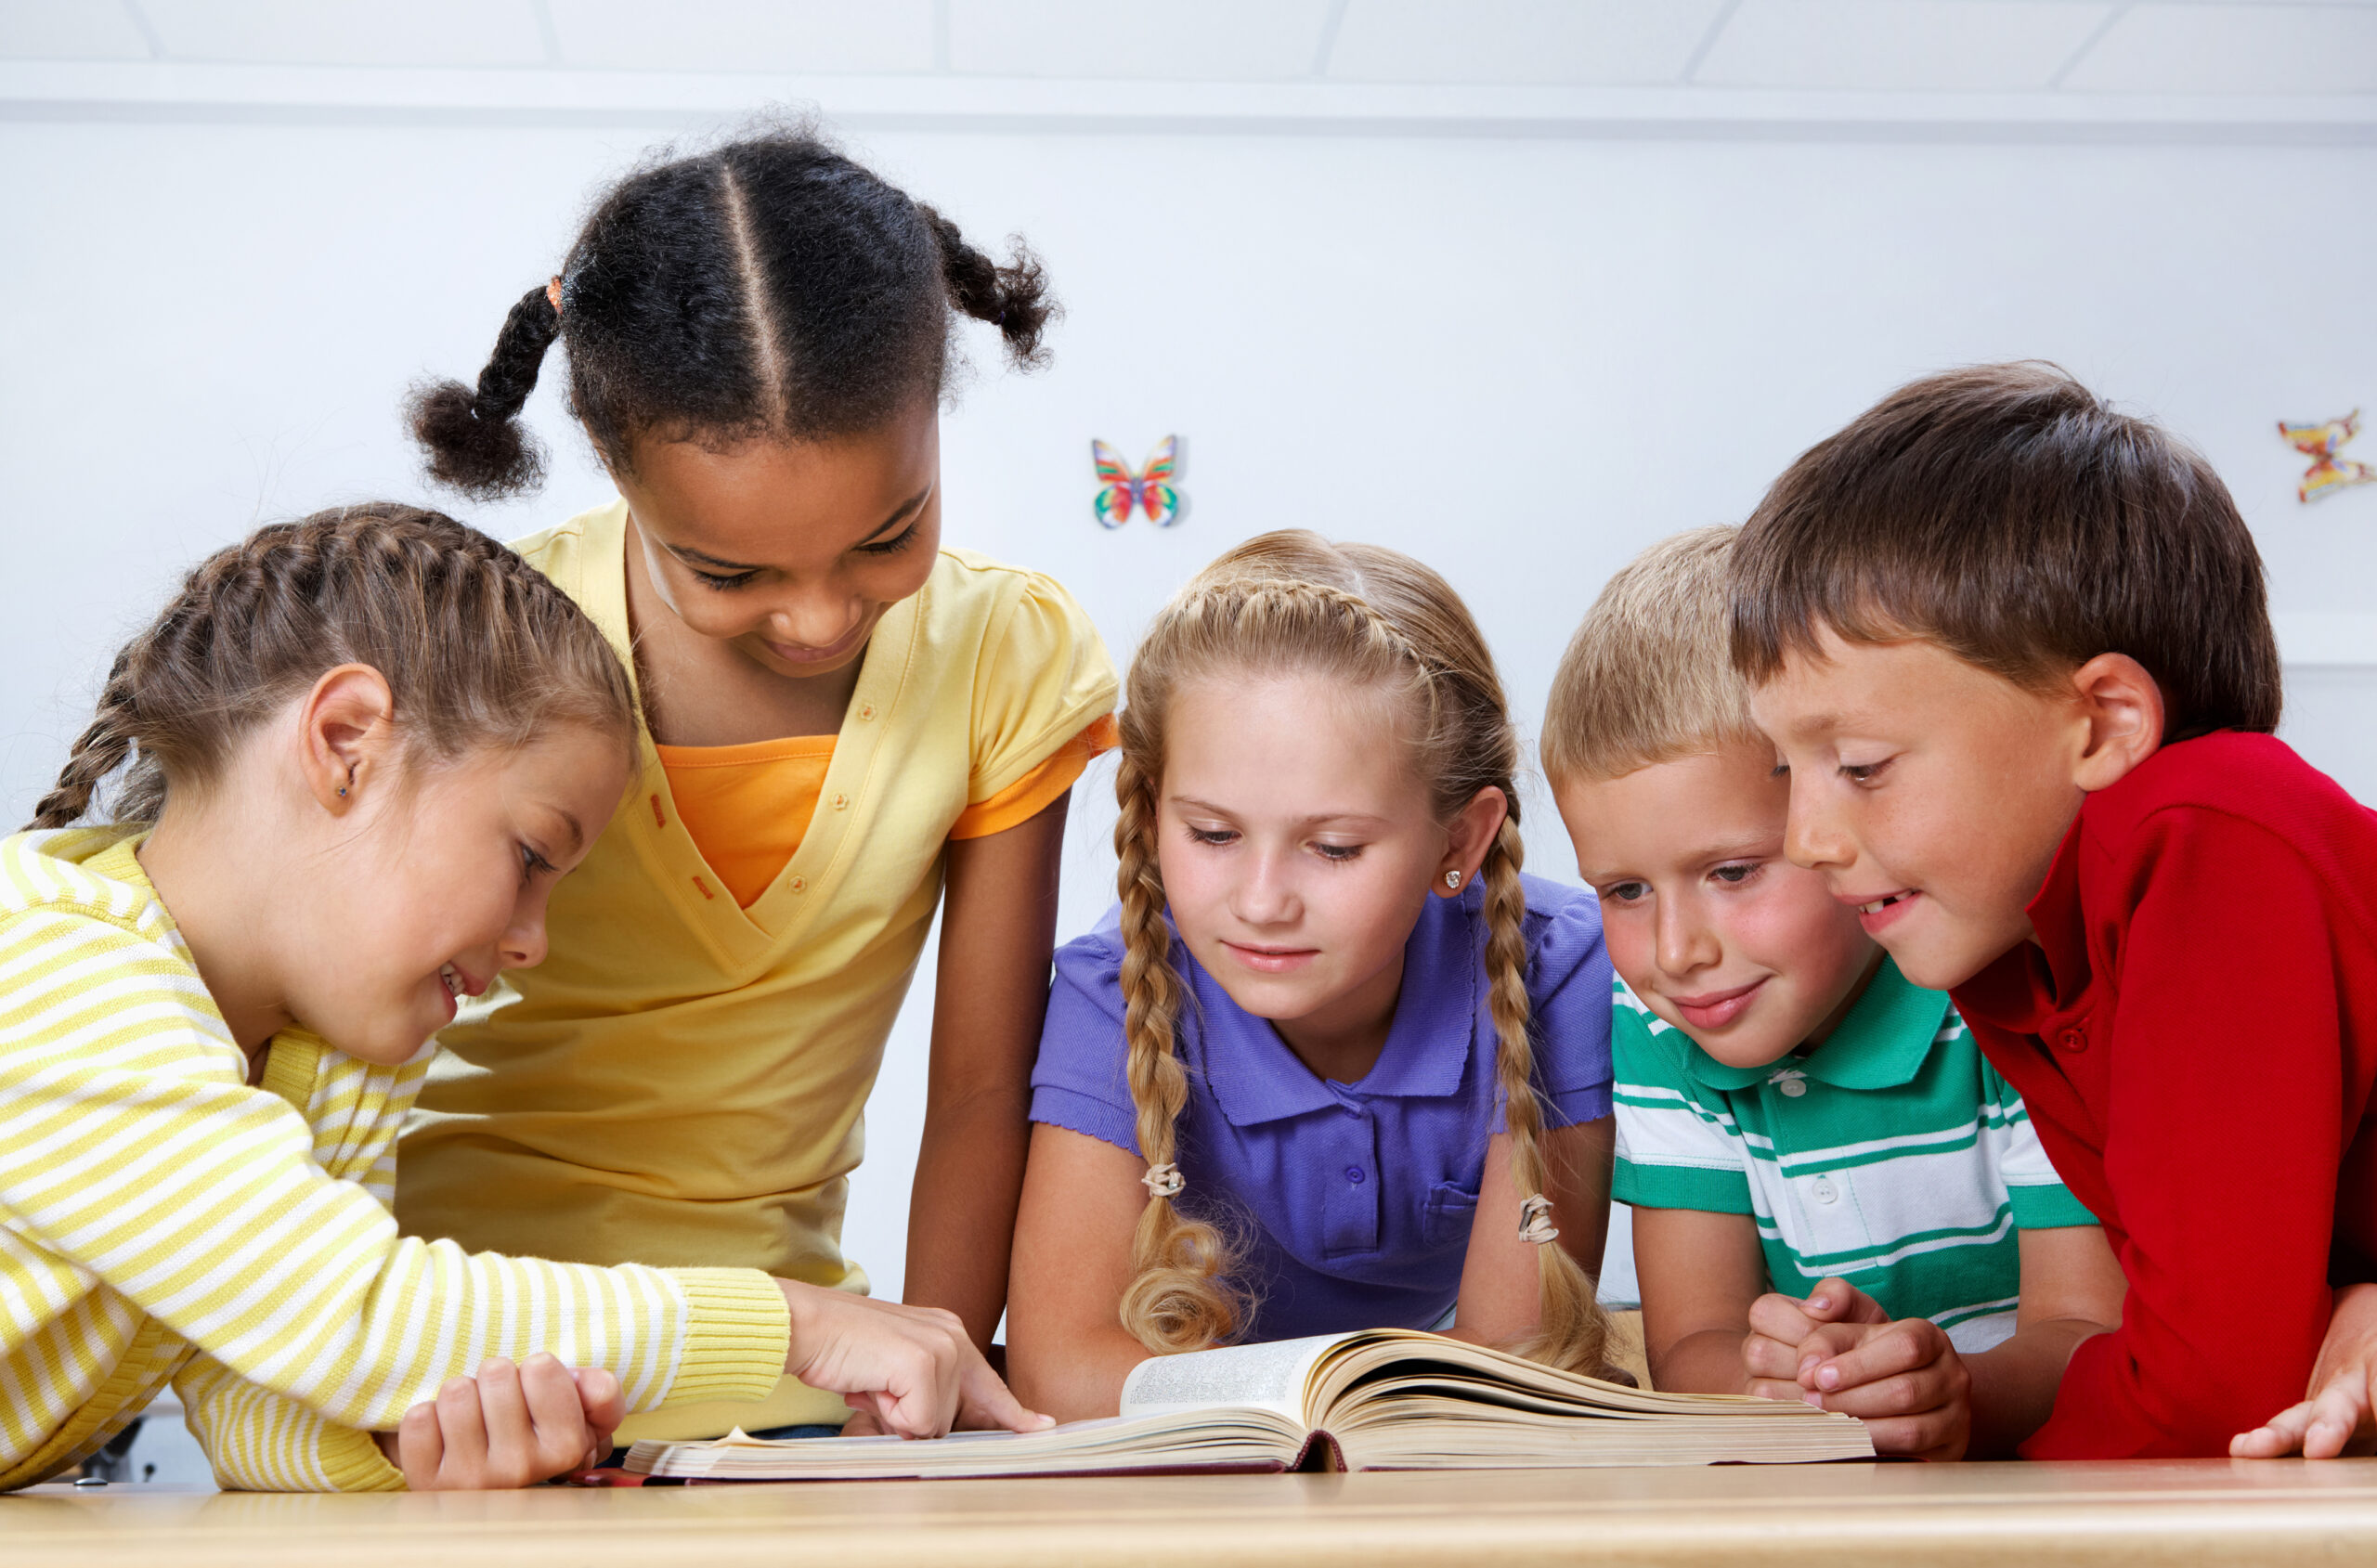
{"x": 908, "y": 1370}
{"x": 1902, "y": 1379}
{"x": 2341, "y": 1416}
{"x": 1780, "y": 1325}
{"x": 510, "y": 1426}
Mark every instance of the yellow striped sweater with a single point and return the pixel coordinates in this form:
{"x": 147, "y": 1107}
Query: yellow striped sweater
{"x": 161, "y": 1221}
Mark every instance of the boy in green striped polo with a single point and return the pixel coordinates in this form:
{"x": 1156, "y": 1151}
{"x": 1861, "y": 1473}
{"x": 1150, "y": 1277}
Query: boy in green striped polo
{"x": 1836, "y": 1198}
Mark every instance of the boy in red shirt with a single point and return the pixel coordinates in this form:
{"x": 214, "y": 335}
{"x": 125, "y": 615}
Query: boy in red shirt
{"x": 2015, "y": 650}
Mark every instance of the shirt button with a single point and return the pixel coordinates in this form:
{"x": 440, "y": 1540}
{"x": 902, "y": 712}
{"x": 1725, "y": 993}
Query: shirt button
{"x": 1793, "y": 1087}
{"x": 2073, "y": 1039}
{"x": 840, "y": 800}
{"x": 800, "y": 884}
{"x": 866, "y": 710}
{"x": 1353, "y": 1174}
{"x": 1822, "y": 1191}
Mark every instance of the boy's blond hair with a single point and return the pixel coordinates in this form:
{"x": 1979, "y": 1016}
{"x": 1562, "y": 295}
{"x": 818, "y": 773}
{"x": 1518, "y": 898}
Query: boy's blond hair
{"x": 1649, "y": 676}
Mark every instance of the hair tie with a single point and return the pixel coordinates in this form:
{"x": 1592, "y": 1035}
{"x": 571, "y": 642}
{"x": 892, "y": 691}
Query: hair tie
{"x": 1164, "y": 1181}
{"x": 1535, "y": 1221}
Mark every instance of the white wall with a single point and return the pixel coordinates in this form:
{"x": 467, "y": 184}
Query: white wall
{"x": 1520, "y": 358}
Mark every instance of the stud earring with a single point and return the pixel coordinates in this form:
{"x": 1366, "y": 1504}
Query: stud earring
{"x": 342, "y": 789}
{"x": 1452, "y": 880}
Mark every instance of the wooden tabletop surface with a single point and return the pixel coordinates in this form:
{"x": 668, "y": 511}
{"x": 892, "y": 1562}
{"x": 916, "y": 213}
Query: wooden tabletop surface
{"x": 2188, "y": 1512}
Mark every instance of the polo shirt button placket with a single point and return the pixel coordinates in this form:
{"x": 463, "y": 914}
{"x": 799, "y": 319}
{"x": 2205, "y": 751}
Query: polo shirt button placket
{"x": 1356, "y": 1175}
{"x": 2074, "y": 1039}
{"x": 1823, "y": 1191}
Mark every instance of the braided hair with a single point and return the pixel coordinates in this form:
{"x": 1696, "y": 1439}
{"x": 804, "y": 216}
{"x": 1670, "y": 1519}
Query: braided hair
{"x": 1377, "y": 619}
{"x": 479, "y": 648}
{"x": 769, "y": 288}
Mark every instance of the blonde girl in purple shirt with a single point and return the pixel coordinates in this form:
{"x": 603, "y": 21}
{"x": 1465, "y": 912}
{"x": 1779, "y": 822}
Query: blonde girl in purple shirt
{"x": 1325, "y": 1069}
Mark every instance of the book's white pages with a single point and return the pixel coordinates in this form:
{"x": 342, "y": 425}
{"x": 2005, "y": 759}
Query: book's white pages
{"x": 1387, "y": 1399}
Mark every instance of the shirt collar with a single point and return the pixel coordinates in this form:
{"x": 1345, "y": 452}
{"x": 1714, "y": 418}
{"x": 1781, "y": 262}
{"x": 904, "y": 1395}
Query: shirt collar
{"x": 1256, "y": 1078}
{"x": 1881, "y": 1044}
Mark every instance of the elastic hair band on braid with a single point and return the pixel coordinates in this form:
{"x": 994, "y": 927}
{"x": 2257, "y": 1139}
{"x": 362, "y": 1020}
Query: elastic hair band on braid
{"x": 1535, "y": 1221}
{"x": 1164, "y": 1181}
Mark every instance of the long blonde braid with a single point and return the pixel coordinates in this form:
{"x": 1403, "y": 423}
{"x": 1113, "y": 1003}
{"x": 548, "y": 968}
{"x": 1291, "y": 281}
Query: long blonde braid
{"x": 1571, "y": 1331}
{"x": 1180, "y": 1299}
{"x": 1373, "y": 618}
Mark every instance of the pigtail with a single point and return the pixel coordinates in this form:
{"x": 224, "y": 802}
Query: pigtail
{"x": 1013, "y": 298}
{"x": 1572, "y": 1331}
{"x": 1178, "y": 1300}
{"x": 474, "y": 438}
{"x": 98, "y": 751}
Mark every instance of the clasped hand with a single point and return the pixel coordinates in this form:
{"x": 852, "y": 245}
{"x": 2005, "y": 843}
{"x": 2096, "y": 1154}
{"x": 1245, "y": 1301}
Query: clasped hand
{"x": 1840, "y": 1351}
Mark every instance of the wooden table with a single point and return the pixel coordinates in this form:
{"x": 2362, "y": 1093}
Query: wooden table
{"x": 2196, "y": 1511}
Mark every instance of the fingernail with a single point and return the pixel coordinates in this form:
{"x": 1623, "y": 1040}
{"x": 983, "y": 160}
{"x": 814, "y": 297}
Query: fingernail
{"x": 1814, "y": 1399}
{"x": 1806, "y": 1362}
{"x": 1829, "y": 1377}
{"x": 1821, "y": 1304}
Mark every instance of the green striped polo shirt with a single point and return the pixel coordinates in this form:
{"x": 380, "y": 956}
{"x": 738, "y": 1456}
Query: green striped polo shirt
{"x": 1892, "y": 1156}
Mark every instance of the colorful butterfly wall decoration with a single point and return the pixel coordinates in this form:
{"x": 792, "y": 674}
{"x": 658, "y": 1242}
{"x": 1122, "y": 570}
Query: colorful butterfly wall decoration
{"x": 2328, "y": 471}
{"x": 1121, "y": 491}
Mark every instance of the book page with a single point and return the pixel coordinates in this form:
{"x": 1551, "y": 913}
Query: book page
{"x": 1267, "y": 1377}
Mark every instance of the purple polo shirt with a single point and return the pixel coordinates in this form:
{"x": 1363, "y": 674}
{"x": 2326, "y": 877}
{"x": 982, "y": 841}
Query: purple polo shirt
{"x": 1352, "y": 1202}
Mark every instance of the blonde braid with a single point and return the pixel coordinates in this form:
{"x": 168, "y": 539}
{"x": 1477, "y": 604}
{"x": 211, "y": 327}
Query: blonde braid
{"x": 1572, "y": 1331}
{"x": 1178, "y": 1300}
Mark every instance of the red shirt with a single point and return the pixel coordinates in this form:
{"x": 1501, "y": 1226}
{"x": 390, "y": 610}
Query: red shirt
{"x": 2195, "y": 1034}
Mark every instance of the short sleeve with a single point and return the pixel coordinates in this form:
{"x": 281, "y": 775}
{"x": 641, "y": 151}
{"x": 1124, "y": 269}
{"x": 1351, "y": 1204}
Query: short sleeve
{"x": 1568, "y": 981}
{"x": 1044, "y": 681}
{"x": 2041, "y": 1202}
{"x": 1080, "y": 1080}
{"x": 1675, "y": 1150}
{"x": 1037, "y": 790}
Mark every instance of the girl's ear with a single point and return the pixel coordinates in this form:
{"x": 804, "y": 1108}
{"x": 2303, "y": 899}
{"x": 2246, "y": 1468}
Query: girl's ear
{"x": 1473, "y": 831}
{"x": 2122, "y": 705}
{"x": 346, "y": 733}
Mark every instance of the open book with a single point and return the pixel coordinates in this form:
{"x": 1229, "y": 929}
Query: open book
{"x": 1386, "y": 1399}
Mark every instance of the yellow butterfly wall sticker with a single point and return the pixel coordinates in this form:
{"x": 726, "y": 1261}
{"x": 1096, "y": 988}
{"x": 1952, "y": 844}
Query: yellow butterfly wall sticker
{"x": 1121, "y": 491}
{"x": 2328, "y": 473}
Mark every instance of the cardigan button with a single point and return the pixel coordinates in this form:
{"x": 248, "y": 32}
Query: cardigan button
{"x": 2073, "y": 1039}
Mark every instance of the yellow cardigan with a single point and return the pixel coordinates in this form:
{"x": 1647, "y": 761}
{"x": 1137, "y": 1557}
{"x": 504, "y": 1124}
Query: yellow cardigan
{"x": 162, "y": 1221}
{"x": 682, "y": 1080}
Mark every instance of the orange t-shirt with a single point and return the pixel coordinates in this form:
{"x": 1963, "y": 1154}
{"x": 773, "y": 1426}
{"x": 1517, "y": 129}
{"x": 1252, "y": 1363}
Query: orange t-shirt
{"x": 748, "y": 807}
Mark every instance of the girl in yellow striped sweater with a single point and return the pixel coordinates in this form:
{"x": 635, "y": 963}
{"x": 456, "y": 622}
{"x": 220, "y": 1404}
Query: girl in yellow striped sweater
{"x": 368, "y": 744}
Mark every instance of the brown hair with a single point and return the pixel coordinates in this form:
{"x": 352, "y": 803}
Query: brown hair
{"x": 770, "y": 287}
{"x": 1377, "y": 619}
{"x": 479, "y": 648}
{"x": 1649, "y": 676}
{"x": 2009, "y": 515}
